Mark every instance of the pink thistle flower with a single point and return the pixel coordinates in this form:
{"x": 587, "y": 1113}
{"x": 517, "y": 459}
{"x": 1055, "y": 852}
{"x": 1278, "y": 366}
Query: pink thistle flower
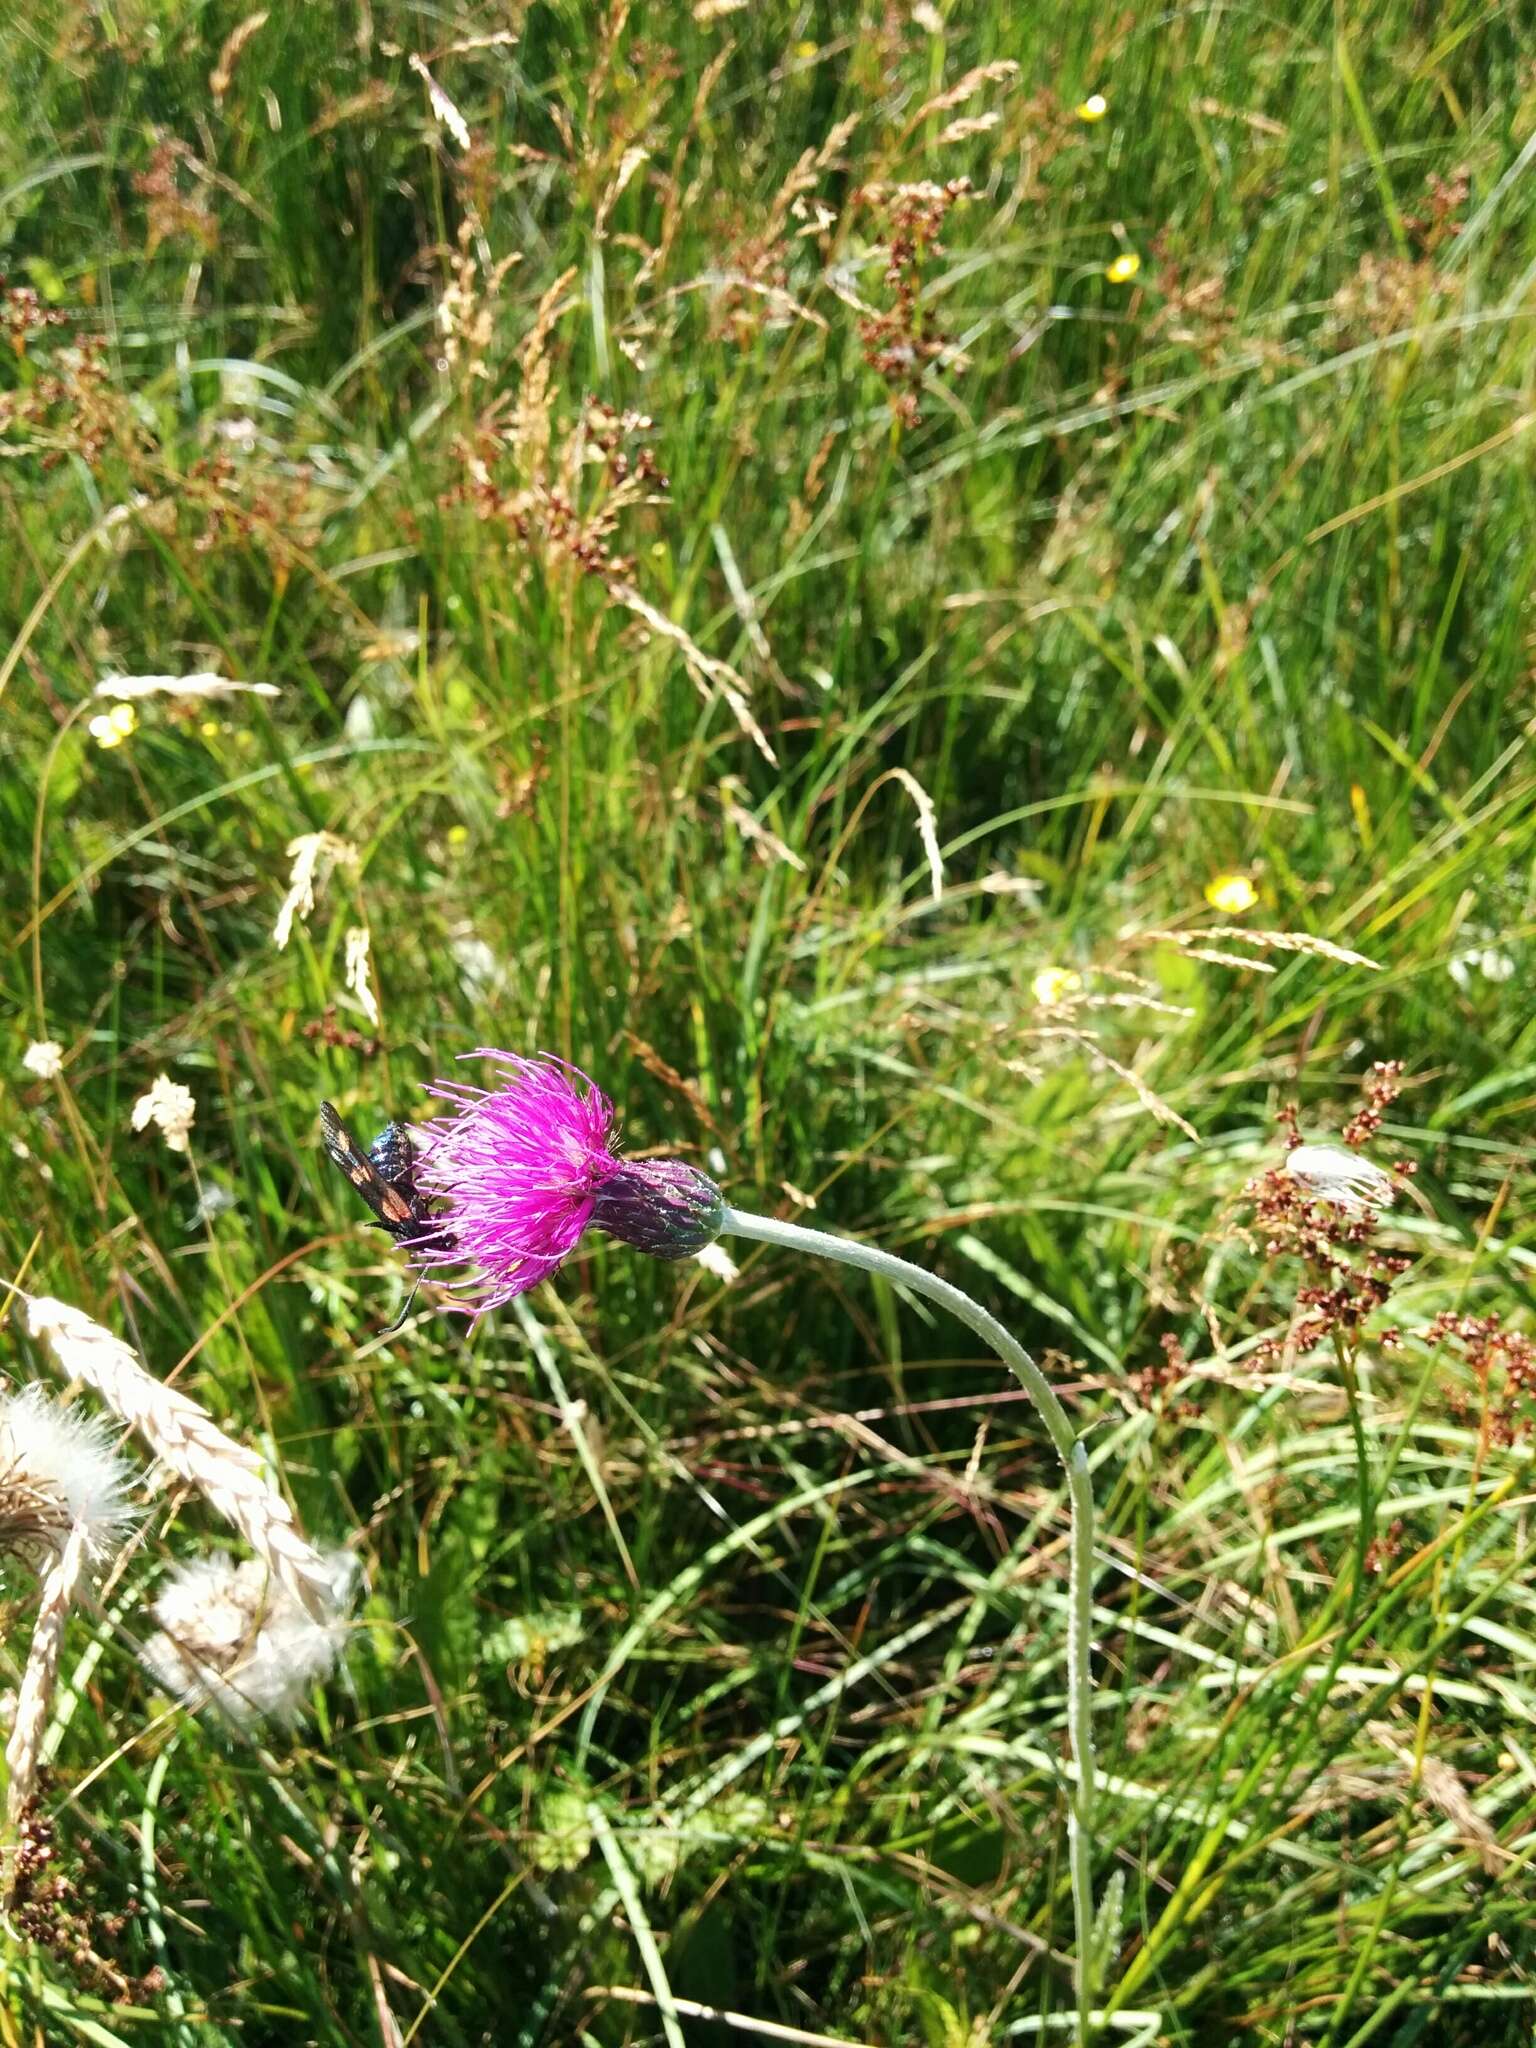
{"x": 518, "y": 1172}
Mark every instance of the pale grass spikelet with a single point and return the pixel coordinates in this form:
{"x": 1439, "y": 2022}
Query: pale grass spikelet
{"x": 232, "y": 1638}
{"x": 967, "y": 87}
{"x": 769, "y": 845}
{"x": 965, "y": 128}
{"x": 194, "y": 687}
{"x": 58, "y": 1471}
{"x": 1329, "y": 1173}
{"x": 314, "y": 855}
{"x": 170, "y": 1107}
{"x": 23, "y": 1751}
{"x": 927, "y": 827}
{"x": 44, "y": 1058}
{"x": 1276, "y": 942}
{"x": 443, "y": 109}
{"x": 222, "y": 76}
{"x": 186, "y": 1438}
{"x": 709, "y": 674}
{"x": 359, "y": 942}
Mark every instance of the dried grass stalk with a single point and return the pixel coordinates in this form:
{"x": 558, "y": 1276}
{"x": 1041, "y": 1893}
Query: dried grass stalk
{"x": 23, "y": 1752}
{"x": 709, "y": 675}
{"x": 186, "y": 1437}
{"x": 927, "y": 826}
{"x": 1272, "y": 942}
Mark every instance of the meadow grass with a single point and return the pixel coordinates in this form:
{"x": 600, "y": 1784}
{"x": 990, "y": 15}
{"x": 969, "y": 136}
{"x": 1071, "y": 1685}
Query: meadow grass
{"x": 657, "y": 515}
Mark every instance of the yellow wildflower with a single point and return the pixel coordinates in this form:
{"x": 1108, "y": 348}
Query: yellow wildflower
{"x": 1231, "y": 894}
{"x": 1053, "y": 984}
{"x": 111, "y": 728}
{"x": 1094, "y": 108}
{"x": 1124, "y": 267}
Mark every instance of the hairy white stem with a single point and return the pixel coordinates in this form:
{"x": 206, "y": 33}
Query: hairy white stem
{"x": 822, "y": 1244}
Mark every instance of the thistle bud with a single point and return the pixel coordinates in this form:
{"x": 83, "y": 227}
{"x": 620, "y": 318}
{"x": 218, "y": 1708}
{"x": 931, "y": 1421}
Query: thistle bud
{"x": 660, "y": 1206}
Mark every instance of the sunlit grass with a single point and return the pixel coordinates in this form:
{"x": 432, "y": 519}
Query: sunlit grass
{"x": 631, "y": 628}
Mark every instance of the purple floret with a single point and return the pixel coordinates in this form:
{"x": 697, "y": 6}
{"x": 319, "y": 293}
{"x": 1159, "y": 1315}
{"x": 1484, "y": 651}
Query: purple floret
{"x": 514, "y": 1172}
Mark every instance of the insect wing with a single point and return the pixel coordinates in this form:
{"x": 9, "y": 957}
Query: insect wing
{"x": 389, "y": 1205}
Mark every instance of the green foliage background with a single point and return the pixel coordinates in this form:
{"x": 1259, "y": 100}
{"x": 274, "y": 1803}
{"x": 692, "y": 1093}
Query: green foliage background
{"x": 714, "y": 1631}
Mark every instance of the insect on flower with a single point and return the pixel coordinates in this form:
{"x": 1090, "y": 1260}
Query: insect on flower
{"x": 385, "y": 1177}
{"x": 523, "y": 1169}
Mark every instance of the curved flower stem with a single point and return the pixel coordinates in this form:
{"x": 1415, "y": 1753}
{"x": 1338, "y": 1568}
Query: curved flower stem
{"x": 821, "y": 1244}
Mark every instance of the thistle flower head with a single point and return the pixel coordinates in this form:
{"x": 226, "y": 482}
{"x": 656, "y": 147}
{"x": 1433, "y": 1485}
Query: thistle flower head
{"x": 233, "y": 1637}
{"x": 518, "y": 1172}
{"x": 1331, "y": 1174}
{"x": 58, "y": 1467}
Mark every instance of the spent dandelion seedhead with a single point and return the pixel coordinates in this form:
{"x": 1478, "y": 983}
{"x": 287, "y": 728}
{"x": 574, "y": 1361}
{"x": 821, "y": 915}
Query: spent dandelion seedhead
{"x": 44, "y": 1058}
{"x": 170, "y": 1108}
{"x": 58, "y": 1470}
{"x": 520, "y": 1171}
{"x": 233, "y": 1637}
{"x": 228, "y": 1475}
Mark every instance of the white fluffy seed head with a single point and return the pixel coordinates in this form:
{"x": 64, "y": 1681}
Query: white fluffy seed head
{"x": 234, "y": 1638}
{"x": 1333, "y": 1175}
{"x": 59, "y": 1467}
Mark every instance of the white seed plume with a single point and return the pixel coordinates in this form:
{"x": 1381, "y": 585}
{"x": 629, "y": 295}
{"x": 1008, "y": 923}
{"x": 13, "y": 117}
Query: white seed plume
{"x": 1331, "y": 1174}
{"x": 58, "y": 1471}
{"x": 185, "y": 1436}
{"x": 24, "y": 1749}
{"x": 359, "y": 942}
{"x": 314, "y": 855}
{"x": 204, "y": 684}
{"x": 170, "y": 1108}
{"x": 233, "y": 1638}
{"x": 44, "y": 1058}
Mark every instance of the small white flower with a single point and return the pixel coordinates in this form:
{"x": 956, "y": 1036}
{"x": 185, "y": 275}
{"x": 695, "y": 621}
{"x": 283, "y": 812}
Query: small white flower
{"x": 44, "y": 1058}
{"x": 1333, "y": 1175}
{"x": 233, "y": 1637}
{"x": 58, "y": 1467}
{"x": 110, "y": 728}
{"x": 313, "y": 855}
{"x": 1495, "y": 966}
{"x": 168, "y": 1106}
